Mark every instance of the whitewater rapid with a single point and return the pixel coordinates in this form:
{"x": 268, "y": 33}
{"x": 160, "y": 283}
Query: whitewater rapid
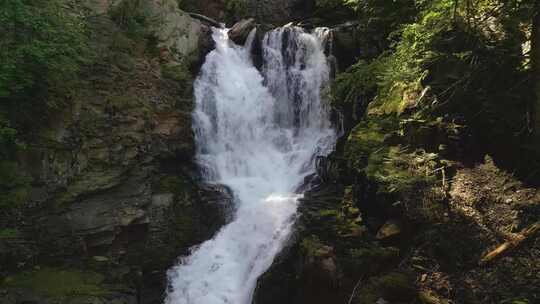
{"x": 259, "y": 134}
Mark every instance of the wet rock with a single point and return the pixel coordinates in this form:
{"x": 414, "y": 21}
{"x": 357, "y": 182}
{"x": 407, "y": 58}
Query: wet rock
{"x": 390, "y": 230}
{"x": 240, "y": 30}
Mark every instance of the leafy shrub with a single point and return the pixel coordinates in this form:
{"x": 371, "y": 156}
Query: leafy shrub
{"x": 129, "y": 16}
{"x": 41, "y": 46}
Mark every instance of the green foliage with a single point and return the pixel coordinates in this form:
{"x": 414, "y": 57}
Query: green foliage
{"x": 235, "y": 10}
{"x": 130, "y": 16}
{"x": 397, "y": 170}
{"x": 176, "y": 72}
{"x": 358, "y": 81}
{"x": 469, "y": 52}
{"x": 311, "y": 245}
{"x": 41, "y": 46}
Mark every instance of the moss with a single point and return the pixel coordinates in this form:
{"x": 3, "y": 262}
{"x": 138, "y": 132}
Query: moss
{"x": 121, "y": 44}
{"x": 396, "y": 99}
{"x": 365, "y": 138}
{"x": 58, "y": 283}
{"x": 310, "y": 246}
{"x": 14, "y": 187}
{"x": 396, "y": 286}
{"x": 123, "y": 102}
{"x": 328, "y": 213}
{"x": 176, "y": 185}
{"x": 393, "y": 287}
{"x": 124, "y": 62}
{"x": 92, "y": 181}
{"x": 130, "y": 16}
{"x": 8, "y": 233}
{"x": 177, "y": 72}
{"x": 185, "y": 228}
{"x": 373, "y": 259}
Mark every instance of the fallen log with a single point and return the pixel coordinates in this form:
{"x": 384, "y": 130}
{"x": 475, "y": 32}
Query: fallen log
{"x": 205, "y": 19}
{"x": 512, "y": 243}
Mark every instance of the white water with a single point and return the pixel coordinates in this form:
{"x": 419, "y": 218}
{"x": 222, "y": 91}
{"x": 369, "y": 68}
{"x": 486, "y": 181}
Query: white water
{"x": 259, "y": 135}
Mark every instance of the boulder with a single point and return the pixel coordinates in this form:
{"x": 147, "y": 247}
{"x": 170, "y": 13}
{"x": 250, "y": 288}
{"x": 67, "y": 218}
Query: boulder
{"x": 240, "y": 30}
{"x": 389, "y": 230}
{"x": 182, "y": 36}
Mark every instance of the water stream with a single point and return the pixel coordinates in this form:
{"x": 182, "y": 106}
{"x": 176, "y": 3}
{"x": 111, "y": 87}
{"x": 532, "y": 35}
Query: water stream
{"x": 259, "y": 133}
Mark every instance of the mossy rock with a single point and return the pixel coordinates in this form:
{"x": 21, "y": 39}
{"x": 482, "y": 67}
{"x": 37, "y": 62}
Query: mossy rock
{"x": 311, "y": 246}
{"x": 176, "y": 72}
{"x": 58, "y": 283}
{"x": 397, "y": 99}
{"x": 394, "y": 287}
{"x": 372, "y": 259}
{"x": 14, "y": 187}
{"x": 123, "y": 102}
{"x": 174, "y": 184}
{"x": 91, "y": 182}
{"x": 124, "y": 62}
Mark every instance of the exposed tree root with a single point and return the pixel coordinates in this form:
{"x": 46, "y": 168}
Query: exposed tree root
{"x": 514, "y": 242}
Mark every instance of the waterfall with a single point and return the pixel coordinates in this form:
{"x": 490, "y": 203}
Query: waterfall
{"x": 259, "y": 134}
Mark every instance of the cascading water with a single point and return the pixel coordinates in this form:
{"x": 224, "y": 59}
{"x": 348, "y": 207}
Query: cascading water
{"x": 259, "y": 135}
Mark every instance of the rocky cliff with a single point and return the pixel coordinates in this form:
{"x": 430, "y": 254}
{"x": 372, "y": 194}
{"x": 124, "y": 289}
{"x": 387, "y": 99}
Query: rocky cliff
{"x": 113, "y": 196}
{"x": 434, "y": 170}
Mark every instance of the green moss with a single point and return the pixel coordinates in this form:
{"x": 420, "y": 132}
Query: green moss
{"x": 184, "y": 227}
{"x": 396, "y": 286}
{"x": 123, "y": 102}
{"x": 8, "y": 233}
{"x": 176, "y": 72}
{"x": 14, "y": 188}
{"x": 171, "y": 184}
{"x": 395, "y": 99}
{"x": 130, "y": 16}
{"x": 120, "y": 43}
{"x": 373, "y": 259}
{"x": 58, "y": 283}
{"x": 92, "y": 181}
{"x": 393, "y": 287}
{"x": 365, "y": 138}
{"x": 124, "y": 62}
{"x": 310, "y": 246}
{"x": 329, "y": 213}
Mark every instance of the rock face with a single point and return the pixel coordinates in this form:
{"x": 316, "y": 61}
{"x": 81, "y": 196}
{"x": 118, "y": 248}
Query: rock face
{"x": 177, "y": 33}
{"x": 114, "y": 189}
{"x": 279, "y": 12}
{"x": 240, "y": 30}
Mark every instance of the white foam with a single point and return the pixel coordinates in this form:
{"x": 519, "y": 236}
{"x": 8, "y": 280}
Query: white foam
{"x": 259, "y": 135}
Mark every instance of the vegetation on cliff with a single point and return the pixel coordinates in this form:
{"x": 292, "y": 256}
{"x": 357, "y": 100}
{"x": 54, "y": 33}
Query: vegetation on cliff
{"x": 42, "y": 47}
{"x": 439, "y": 163}
{"x": 95, "y": 110}
{"x": 438, "y": 167}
